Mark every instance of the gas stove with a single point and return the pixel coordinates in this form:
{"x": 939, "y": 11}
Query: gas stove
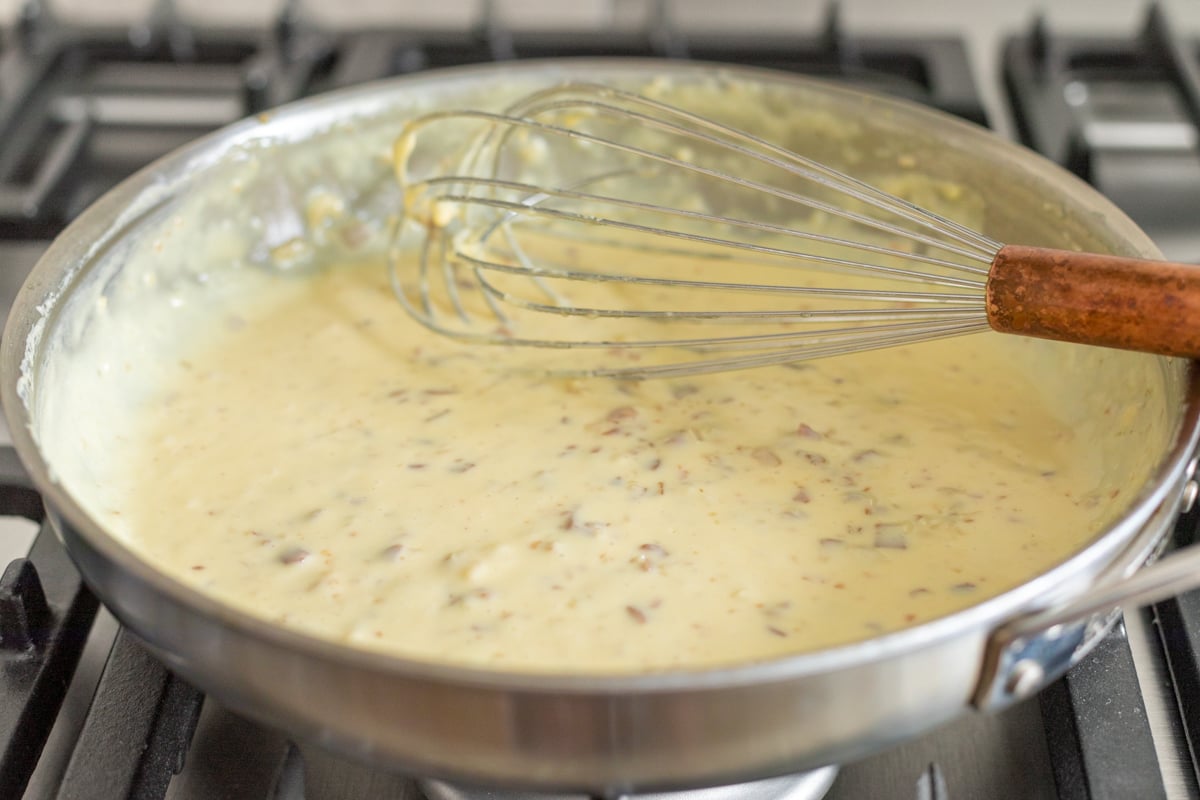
{"x": 85, "y": 712}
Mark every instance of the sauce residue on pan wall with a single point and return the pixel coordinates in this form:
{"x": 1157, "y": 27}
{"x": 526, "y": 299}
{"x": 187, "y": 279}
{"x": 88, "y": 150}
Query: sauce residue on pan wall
{"x": 323, "y": 462}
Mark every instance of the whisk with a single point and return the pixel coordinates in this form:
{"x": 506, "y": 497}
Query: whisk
{"x": 643, "y": 240}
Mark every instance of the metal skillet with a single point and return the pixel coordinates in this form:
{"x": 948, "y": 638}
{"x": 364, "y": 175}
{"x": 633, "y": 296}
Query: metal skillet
{"x": 601, "y": 734}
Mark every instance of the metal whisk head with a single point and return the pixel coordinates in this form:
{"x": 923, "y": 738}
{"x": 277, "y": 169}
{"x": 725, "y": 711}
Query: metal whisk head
{"x": 644, "y": 240}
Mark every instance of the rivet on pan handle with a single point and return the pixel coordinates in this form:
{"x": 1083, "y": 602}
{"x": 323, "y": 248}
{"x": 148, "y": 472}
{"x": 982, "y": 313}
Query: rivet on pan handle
{"x": 1027, "y": 653}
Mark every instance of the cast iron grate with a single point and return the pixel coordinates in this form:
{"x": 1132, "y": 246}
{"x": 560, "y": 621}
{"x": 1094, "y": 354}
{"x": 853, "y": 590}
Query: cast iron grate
{"x": 83, "y": 107}
{"x": 1121, "y": 112}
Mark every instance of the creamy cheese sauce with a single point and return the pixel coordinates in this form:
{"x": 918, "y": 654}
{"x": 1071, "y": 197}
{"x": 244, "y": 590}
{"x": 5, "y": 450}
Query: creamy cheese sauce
{"x": 321, "y": 461}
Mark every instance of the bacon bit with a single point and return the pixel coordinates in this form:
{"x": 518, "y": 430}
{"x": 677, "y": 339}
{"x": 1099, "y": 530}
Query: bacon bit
{"x": 636, "y": 614}
{"x": 775, "y": 609}
{"x": 459, "y": 598}
{"x": 801, "y": 496}
{"x": 891, "y": 536}
{"x": 622, "y": 412}
{"x": 294, "y": 555}
{"x": 776, "y": 631}
{"x": 807, "y": 431}
{"x": 649, "y": 556}
{"x": 678, "y": 437}
{"x": 766, "y": 456}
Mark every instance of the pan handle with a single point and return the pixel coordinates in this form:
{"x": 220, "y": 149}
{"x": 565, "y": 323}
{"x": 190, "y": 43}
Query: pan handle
{"x": 1028, "y": 652}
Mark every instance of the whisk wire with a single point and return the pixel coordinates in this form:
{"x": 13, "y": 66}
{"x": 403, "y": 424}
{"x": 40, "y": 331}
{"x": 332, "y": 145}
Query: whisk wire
{"x": 794, "y": 162}
{"x": 474, "y": 225}
{"x": 978, "y": 254}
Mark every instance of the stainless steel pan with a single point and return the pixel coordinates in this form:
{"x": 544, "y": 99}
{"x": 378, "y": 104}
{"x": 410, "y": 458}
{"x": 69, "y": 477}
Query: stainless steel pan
{"x": 238, "y": 189}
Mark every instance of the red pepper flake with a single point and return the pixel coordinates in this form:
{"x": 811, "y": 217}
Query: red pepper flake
{"x": 636, "y": 614}
{"x": 839, "y": 586}
{"x": 776, "y": 631}
{"x": 910, "y": 617}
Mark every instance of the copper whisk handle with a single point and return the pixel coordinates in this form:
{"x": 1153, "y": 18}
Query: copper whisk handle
{"x": 1128, "y": 303}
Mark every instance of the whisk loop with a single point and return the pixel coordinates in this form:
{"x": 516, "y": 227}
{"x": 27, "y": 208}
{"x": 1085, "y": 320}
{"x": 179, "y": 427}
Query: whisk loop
{"x": 620, "y": 228}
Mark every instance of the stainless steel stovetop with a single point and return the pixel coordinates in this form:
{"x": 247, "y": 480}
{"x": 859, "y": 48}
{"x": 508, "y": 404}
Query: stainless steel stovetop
{"x": 88, "y": 96}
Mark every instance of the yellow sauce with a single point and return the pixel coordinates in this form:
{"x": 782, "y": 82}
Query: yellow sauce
{"x": 323, "y": 462}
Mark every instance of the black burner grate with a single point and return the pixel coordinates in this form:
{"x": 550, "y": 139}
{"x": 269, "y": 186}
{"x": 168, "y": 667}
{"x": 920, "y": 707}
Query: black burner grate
{"x": 45, "y": 616}
{"x": 1122, "y": 113}
{"x": 82, "y": 108}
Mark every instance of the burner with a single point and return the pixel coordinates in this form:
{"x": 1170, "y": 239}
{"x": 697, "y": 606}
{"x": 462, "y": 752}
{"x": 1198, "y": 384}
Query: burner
{"x": 804, "y": 786}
